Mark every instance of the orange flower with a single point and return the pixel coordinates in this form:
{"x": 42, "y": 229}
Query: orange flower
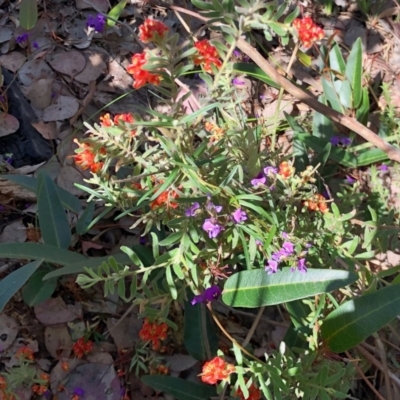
{"x": 254, "y": 393}
{"x": 65, "y": 366}
{"x": 140, "y": 75}
{"x": 3, "y": 382}
{"x": 308, "y": 31}
{"x": 153, "y": 332}
{"x": 317, "y": 202}
{"x": 285, "y": 170}
{"x": 128, "y": 118}
{"x": 164, "y": 198}
{"x": 82, "y": 347}
{"x": 85, "y": 158}
{"x": 25, "y": 353}
{"x": 216, "y": 370}
{"x": 39, "y": 389}
{"x": 151, "y": 29}
{"x": 105, "y": 120}
{"x": 208, "y": 55}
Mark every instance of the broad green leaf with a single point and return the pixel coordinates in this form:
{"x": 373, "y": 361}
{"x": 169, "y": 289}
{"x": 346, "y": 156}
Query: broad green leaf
{"x": 345, "y": 94}
{"x": 332, "y": 95}
{"x": 54, "y": 225}
{"x": 360, "y": 317}
{"x": 14, "y": 281}
{"x": 255, "y": 72}
{"x": 256, "y": 288}
{"x": 36, "y": 290}
{"x": 36, "y": 251}
{"x": 68, "y": 200}
{"x": 115, "y": 12}
{"x": 278, "y": 28}
{"x": 354, "y": 71}
{"x": 300, "y": 329}
{"x": 362, "y": 112}
{"x": 291, "y": 17}
{"x": 179, "y": 388}
{"x": 200, "y": 337}
{"x": 28, "y": 14}
{"x": 336, "y": 60}
{"x": 84, "y": 221}
{"x": 370, "y": 156}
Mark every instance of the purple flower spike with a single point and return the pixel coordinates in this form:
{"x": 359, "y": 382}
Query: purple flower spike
{"x": 258, "y": 180}
{"x": 212, "y": 207}
{"x": 350, "y": 180}
{"x": 236, "y": 53}
{"x": 272, "y": 267}
{"x": 192, "y": 210}
{"x": 22, "y": 38}
{"x": 97, "y": 22}
{"x": 198, "y": 299}
{"x": 346, "y": 141}
{"x": 383, "y": 167}
{"x": 301, "y": 265}
{"x": 239, "y": 216}
{"x": 210, "y": 294}
{"x": 212, "y": 228}
{"x": 270, "y": 170}
{"x": 335, "y": 140}
{"x": 288, "y": 248}
{"x": 35, "y": 45}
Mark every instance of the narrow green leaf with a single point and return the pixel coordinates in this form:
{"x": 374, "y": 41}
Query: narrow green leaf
{"x": 83, "y": 223}
{"x": 336, "y": 60}
{"x": 115, "y": 12}
{"x": 35, "y": 251}
{"x": 171, "y": 239}
{"x": 360, "y": 317}
{"x": 256, "y": 288}
{"x": 36, "y": 290}
{"x": 13, "y": 282}
{"x": 199, "y": 335}
{"x": 28, "y": 14}
{"x": 255, "y": 72}
{"x": 354, "y": 71}
{"x": 362, "y": 112}
{"x": 68, "y": 200}
{"x": 54, "y": 225}
{"x": 179, "y": 388}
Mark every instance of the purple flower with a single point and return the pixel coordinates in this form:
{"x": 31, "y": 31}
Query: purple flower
{"x": 270, "y": 170}
{"x": 383, "y": 167}
{"x": 308, "y": 245}
{"x": 98, "y": 22}
{"x": 285, "y": 235}
{"x": 236, "y": 53}
{"x": 335, "y": 140}
{"x": 258, "y": 180}
{"x": 346, "y": 141}
{"x": 343, "y": 140}
{"x": 350, "y": 180}
{"x": 301, "y": 265}
{"x": 288, "y": 247}
{"x": 212, "y": 207}
{"x": 259, "y": 242}
{"x": 22, "y": 38}
{"x": 239, "y": 215}
{"x": 78, "y": 391}
{"x": 210, "y": 294}
{"x": 35, "y": 45}
{"x": 9, "y": 160}
{"x": 272, "y": 267}
{"x": 191, "y": 211}
{"x": 237, "y": 81}
{"x": 212, "y": 228}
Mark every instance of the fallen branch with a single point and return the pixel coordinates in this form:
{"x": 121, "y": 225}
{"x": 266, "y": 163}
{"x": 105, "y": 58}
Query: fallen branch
{"x": 392, "y": 152}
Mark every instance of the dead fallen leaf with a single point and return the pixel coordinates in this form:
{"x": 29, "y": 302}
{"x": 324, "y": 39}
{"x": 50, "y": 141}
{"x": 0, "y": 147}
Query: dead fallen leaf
{"x": 95, "y": 66}
{"x": 67, "y": 179}
{"x": 6, "y": 34}
{"x": 58, "y": 341}
{"x": 58, "y": 374}
{"x": 12, "y": 61}
{"x": 180, "y": 362}
{"x": 47, "y": 129}
{"x": 126, "y": 333}
{"x": 14, "y": 233}
{"x": 39, "y": 93}
{"x": 68, "y": 62}
{"x": 8, "y": 124}
{"x": 54, "y": 311}
{"x": 33, "y": 70}
{"x": 8, "y": 332}
{"x": 64, "y": 107}
{"x": 101, "y": 5}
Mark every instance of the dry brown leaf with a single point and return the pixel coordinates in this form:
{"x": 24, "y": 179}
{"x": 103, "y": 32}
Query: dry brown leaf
{"x": 6, "y": 34}
{"x": 34, "y": 70}
{"x": 12, "y": 61}
{"x": 8, "y": 331}
{"x": 39, "y": 93}
{"x": 68, "y": 62}
{"x": 101, "y": 5}
{"x": 14, "y": 233}
{"x": 58, "y": 341}
{"x": 67, "y": 178}
{"x": 47, "y": 129}
{"x": 54, "y": 311}
{"x": 95, "y": 66}
{"x": 63, "y": 108}
{"x": 8, "y": 124}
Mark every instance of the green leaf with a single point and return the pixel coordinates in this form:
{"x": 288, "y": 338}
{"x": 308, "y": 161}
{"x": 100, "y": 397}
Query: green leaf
{"x": 336, "y": 60}
{"x": 179, "y": 388}
{"x": 199, "y": 336}
{"x": 35, "y": 251}
{"x": 354, "y": 71}
{"x": 362, "y": 112}
{"x": 278, "y": 28}
{"x": 291, "y": 17}
{"x": 115, "y": 12}
{"x": 54, "y": 225}
{"x": 256, "y": 288}
{"x": 68, "y": 200}
{"x": 14, "y": 281}
{"x": 28, "y": 14}
{"x": 255, "y": 72}
{"x": 360, "y": 317}
{"x": 36, "y": 290}
{"x": 84, "y": 221}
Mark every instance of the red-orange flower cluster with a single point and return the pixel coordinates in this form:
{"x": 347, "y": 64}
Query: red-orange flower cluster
{"x": 285, "y": 170}
{"x": 85, "y": 157}
{"x": 151, "y": 28}
{"x": 254, "y": 393}
{"x": 308, "y": 31}
{"x": 153, "y": 332}
{"x": 106, "y": 120}
{"x": 207, "y": 56}
{"x": 164, "y": 198}
{"x": 25, "y": 353}
{"x": 216, "y": 370}
{"x": 140, "y": 75}
{"x": 82, "y": 347}
{"x": 317, "y": 202}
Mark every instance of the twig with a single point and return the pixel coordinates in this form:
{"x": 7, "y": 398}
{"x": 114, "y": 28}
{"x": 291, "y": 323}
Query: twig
{"x": 392, "y": 152}
{"x": 253, "y": 327}
{"x": 382, "y": 354}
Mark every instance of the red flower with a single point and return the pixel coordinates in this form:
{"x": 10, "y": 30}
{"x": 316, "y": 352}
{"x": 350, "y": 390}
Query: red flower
{"x": 105, "y": 120}
{"x": 164, "y": 198}
{"x": 128, "y": 118}
{"x": 254, "y": 393}
{"x": 85, "y": 158}
{"x": 216, "y": 370}
{"x": 153, "y": 332}
{"x": 208, "y": 55}
{"x": 82, "y": 347}
{"x": 308, "y": 31}
{"x": 285, "y": 170}
{"x": 140, "y": 75}
{"x": 151, "y": 29}
{"x": 317, "y": 202}
{"x": 25, "y": 353}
